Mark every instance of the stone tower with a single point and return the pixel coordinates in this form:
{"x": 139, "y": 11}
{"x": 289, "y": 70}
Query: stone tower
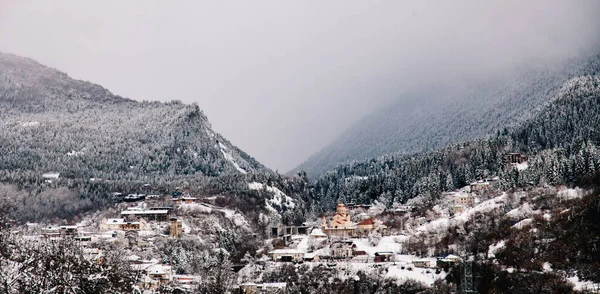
{"x": 176, "y": 228}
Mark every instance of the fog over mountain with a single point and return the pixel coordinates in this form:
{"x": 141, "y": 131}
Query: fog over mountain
{"x": 433, "y": 117}
{"x": 282, "y": 80}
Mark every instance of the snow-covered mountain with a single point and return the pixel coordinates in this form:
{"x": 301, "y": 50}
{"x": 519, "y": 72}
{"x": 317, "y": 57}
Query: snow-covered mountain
{"x": 560, "y": 141}
{"x": 435, "y": 116}
{"x": 52, "y": 123}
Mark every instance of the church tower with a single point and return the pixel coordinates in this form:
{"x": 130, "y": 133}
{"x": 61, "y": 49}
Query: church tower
{"x": 341, "y": 209}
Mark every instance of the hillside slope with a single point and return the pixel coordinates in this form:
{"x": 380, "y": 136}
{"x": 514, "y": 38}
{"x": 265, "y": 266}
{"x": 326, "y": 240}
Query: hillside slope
{"x": 429, "y": 119}
{"x": 561, "y": 141}
{"x": 52, "y": 123}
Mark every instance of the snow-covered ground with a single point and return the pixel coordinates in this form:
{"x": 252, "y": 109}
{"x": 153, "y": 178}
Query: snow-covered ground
{"x": 584, "y": 285}
{"x": 235, "y": 216}
{"x": 31, "y": 124}
{"x": 441, "y": 224}
{"x": 567, "y": 194}
{"x": 279, "y": 198}
{"x": 229, "y": 157}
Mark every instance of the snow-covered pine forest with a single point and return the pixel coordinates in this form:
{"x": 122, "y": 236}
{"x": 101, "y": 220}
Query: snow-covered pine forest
{"x": 62, "y": 133}
{"x": 439, "y": 115}
{"x": 560, "y": 141}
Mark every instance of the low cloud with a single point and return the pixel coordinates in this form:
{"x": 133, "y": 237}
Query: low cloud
{"x": 281, "y": 79}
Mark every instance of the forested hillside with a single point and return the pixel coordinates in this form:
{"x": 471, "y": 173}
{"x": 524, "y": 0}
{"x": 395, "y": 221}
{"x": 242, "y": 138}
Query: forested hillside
{"x": 561, "y": 141}
{"x": 59, "y": 132}
{"x": 436, "y": 116}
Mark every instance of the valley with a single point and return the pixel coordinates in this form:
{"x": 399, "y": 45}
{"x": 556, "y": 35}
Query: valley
{"x": 102, "y": 194}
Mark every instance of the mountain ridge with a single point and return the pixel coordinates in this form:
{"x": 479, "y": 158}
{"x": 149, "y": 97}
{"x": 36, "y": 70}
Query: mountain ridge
{"x": 453, "y": 114}
{"x": 38, "y": 97}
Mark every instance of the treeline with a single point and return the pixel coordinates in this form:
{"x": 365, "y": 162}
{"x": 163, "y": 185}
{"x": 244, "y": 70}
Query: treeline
{"x": 436, "y": 116}
{"x": 561, "y": 142}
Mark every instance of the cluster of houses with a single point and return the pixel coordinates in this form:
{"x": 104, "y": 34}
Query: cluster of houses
{"x": 132, "y": 229}
{"x": 337, "y": 231}
{"x": 154, "y": 274}
{"x": 346, "y": 251}
{"x": 468, "y": 196}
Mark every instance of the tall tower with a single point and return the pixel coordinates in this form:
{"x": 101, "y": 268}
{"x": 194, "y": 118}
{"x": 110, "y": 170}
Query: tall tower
{"x": 341, "y": 209}
{"x": 176, "y": 228}
{"x": 468, "y": 279}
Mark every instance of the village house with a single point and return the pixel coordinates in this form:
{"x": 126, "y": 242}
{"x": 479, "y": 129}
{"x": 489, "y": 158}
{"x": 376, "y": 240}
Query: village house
{"x": 51, "y": 231}
{"x": 188, "y": 199}
{"x": 385, "y": 256}
{"x": 84, "y": 239}
{"x": 119, "y": 224}
{"x": 514, "y": 158}
{"x": 422, "y": 263}
{"x": 159, "y": 215}
{"x": 402, "y": 208}
{"x": 317, "y": 234}
{"x": 447, "y": 261}
{"x": 185, "y": 199}
{"x": 311, "y": 257}
{"x": 111, "y": 224}
{"x": 480, "y": 187}
{"x": 454, "y": 258}
{"x": 360, "y": 256}
{"x": 134, "y": 226}
{"x": 464, "y": 199}
{"x": 342, "y": 249}
{"x": 281, "y": 230}
{"x": 187, "y": 282}
{"x": 68, "y": 230}
{"x": 159, "y": 272}
{"x": 287, "y": 255}
{"x": 366, "y": 225}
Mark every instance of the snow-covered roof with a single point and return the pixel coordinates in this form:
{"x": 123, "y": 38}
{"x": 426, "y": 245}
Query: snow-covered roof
{"x": 366, "y": 222}
{"x": 68, "y": 227}
{"x": 92, "y": 250}
{"x": 274, "y": 285}
{"x": 51, "y": 175}
{"x": 115, "y": 221}
{"x": 285, "y": 251}
{"x": 317, "y": 232}
{"x": 128, "y": 212}
{"x": 157, "y": 269}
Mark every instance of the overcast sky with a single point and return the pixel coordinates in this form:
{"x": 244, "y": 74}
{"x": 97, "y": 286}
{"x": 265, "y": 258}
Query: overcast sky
{"x": 281, "y": 79}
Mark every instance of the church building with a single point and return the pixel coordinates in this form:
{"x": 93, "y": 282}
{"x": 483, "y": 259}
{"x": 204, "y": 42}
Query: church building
{"x": 340, "y": 224}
